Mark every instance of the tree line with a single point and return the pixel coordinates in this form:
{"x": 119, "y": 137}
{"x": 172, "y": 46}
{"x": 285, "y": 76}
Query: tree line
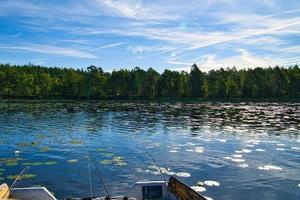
{"x": 38, "y": 82}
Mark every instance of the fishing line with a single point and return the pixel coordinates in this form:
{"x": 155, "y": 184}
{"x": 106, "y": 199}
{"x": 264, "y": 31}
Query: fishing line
{"x": 98, "y": 173}
{"x": 19, "y": 177}
{"x": 90, "y": 176}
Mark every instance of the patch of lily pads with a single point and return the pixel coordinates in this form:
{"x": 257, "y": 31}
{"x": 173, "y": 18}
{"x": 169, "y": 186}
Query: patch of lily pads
{"x": 24, "y": 176}
{"x": 117, "y": 160}
{"x": 10, "y": 161}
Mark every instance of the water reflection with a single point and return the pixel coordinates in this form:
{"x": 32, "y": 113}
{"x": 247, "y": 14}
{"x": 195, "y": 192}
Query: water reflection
{"x": 249, "y": 146}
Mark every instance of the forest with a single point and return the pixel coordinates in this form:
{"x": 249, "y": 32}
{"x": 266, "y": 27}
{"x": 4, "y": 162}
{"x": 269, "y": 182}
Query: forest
{"x": 38, "y": 82}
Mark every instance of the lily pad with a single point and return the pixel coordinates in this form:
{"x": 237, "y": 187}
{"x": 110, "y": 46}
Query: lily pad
{"x": 50, "y": 163}
{"x": 211, "y": 183}
{"x": 24, "y": 176}
{"x": 45, "y": 149}
{"x": 72, "y": 161}
{"x": 76, "y": 142}
{"x": 183, "y": 174}
{"x": 106, "y": 162}
{"x": 198, "y": 188}
{"x": 32, "y": 163}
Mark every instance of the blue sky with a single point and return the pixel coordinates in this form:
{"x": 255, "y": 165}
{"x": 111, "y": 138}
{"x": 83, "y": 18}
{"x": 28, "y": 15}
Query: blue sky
{"x": 161, "y": 34}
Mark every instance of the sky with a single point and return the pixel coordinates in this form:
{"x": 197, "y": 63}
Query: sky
{"x": 162, "y": 34}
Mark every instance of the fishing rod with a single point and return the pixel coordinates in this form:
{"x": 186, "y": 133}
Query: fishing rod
{"x": 19, "y": 177}
{"x": 154, "y": 161}
{"x": 98, "y": 173}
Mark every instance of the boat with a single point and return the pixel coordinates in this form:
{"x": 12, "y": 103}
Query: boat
{"x": 172, "y": 189}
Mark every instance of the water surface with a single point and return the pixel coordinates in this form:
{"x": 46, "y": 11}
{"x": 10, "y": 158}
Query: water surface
{"x": 251, "y": 149}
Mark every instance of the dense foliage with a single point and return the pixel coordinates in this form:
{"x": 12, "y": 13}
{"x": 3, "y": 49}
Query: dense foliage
{"x": 30, "y": 81}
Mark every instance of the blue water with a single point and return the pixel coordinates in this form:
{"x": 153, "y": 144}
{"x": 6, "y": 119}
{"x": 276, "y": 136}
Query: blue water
{"x": 119, "y": 136}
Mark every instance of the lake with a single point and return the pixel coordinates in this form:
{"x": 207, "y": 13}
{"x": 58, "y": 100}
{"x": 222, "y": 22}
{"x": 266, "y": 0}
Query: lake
{"x": 251, "y": 149}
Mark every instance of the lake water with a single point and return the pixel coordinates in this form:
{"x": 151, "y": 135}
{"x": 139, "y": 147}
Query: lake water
{"x": 251, "y": 149}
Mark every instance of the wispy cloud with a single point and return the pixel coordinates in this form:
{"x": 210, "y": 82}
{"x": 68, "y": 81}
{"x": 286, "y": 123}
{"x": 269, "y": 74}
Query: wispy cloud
{"x": 170, "y": 32}
{"x": 108, "y": 46}
{"x": 54, "y": 50}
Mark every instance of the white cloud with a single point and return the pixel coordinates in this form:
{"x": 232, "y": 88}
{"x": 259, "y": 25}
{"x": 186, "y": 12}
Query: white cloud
{"x": 108, "y": 46}
{"x": 135, "y": 9}
{"x": 140, "y": 49}
{"x": 48, "y": 49}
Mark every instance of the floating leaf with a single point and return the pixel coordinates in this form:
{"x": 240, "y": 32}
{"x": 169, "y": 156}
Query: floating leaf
{"x": 44, "y": 149}
{"x": 50, "y": 163}
{"x": 200, "y": 183}
{"x": 76, "y": 142}
{"x": 183, "y": 174}
{"x": 121, "y": 164}
{"x": 198, "y": 188}
{"x": 72, "y": 161}
{"x": 24, "y": 176}
{"x": 32, "y": 164}
{"x": 101, "y": 149}
{"x": 211, "y": 183}
{"x": 106, "y": 162}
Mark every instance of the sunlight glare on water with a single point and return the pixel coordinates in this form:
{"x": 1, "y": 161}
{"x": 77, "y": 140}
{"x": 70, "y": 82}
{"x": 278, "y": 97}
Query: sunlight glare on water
{"x": 232, "y": 149}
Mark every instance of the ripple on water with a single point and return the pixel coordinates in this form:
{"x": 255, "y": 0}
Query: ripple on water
{"x": 243, "y": 165}
{"x": 246, "y": 150}
{"x": 260, "y": 150}
{"x": 270, "y": 167}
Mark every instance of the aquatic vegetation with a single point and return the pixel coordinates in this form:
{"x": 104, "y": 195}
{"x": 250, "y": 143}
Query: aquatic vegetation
{"x": 270, "y": 167}
{"x": 121, "y": 164}
{"x": 50, "y": 163}
{"x": 32, "y": 163}
{"x": 106, "y": 162}
{"x": 76, "y": 142}
{"x": 117, "y": 160}
{"x": 101, "y": 149}
{"x": 107, "y": 154}
{"x": 24, "y": 176}
{"x": 44, "y": 149}
{"x": 198, "y": 188}
{"x": 211, "y": 183}
{"x": 10, "y": 161}
{"x": 183, "y": 174}
{"x": 72, "y": 161}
